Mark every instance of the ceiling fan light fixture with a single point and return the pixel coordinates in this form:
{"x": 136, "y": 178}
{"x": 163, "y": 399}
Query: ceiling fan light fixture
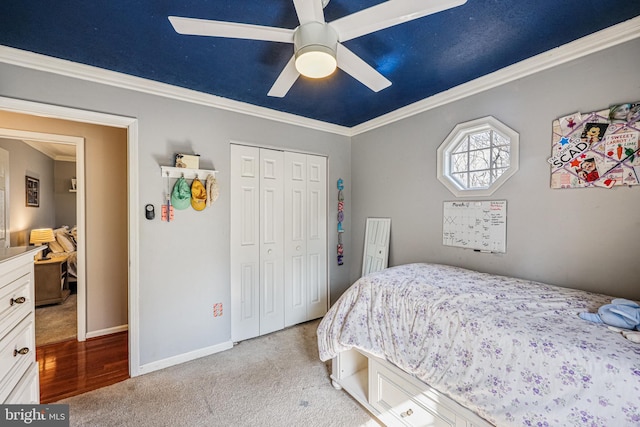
{"x": 316, "y": 62}
{"x": 315, "y": 45}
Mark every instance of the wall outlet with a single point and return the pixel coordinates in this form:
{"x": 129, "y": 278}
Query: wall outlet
{"x": 217, "y": 309}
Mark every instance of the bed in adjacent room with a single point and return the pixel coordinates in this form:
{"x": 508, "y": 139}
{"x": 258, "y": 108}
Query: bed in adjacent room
{"x": 429, "y": 344}
{"x": 66, "y": 245}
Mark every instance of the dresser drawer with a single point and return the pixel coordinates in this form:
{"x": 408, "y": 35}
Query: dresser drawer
{"x": 13, "y": 363}
{"x": 16, "y": 301}
{"x": 401, "y": 403}
{"x": 14, "y": 274}
{"x": 28, "y": 389}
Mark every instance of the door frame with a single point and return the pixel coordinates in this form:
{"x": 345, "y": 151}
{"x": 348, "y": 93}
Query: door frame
{"x": 131, "y": 125}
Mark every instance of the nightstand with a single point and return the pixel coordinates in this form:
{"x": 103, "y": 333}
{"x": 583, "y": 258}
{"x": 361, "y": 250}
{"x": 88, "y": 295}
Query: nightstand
{"x": 51, "y": 281}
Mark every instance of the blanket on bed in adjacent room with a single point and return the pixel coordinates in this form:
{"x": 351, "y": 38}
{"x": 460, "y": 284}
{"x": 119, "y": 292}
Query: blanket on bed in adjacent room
{"x": 511, "y": 350}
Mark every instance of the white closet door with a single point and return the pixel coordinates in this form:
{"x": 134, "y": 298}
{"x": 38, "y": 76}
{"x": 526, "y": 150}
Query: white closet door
{"x": 245, "y": 242}
{"x": 271, "y": 241}
{"x": 316, "y": 237}
{"x": 305, "y": 237}
{"x": 278, "y": 240}
{"x": 295, "y": 236}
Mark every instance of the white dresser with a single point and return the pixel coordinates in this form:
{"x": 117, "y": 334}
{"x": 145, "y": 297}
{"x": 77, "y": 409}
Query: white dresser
{"x": 18, "y": 367}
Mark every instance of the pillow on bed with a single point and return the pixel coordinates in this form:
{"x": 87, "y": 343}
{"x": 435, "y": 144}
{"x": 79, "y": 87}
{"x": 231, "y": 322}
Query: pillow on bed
{"x": 55, "y": 247}
{"x": 66, "y": 241}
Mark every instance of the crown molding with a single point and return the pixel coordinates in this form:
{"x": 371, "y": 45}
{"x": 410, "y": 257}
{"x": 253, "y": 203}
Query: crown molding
{"x": 595, "y": 42}
{"x": 39, "y": 62}
{"x": 601, "y": 40}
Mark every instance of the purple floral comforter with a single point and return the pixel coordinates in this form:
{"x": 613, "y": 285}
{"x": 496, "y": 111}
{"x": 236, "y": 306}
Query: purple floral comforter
{"x": 513, "y": 351}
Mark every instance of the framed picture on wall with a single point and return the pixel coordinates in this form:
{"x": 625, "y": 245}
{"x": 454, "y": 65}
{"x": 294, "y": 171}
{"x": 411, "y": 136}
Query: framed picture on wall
{"x": 33, "y": 191}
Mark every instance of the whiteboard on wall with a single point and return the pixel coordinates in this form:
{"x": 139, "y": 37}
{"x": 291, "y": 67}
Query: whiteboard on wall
{"x": 478, "y": 225}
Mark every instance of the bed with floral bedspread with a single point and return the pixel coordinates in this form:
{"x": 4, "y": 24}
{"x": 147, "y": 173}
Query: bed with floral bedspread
{"x": 513, "y": 351}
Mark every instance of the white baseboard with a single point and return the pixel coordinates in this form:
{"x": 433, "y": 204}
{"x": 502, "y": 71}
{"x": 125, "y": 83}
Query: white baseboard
{"x": 185, "y": 357}
{"x": 107, "y": 331}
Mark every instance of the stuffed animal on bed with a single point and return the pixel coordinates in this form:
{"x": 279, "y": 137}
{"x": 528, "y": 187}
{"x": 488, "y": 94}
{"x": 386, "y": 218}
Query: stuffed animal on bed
{"x": 622, "y": 315}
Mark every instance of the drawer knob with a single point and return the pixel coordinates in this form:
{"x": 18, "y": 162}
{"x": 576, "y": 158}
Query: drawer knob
{"x": 407, "y": 413}
{"x": 23, "y": 350}
{"x": 19, "y": 300}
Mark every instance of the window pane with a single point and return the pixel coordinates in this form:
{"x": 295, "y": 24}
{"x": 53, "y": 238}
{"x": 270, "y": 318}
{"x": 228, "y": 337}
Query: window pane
{"x": 500, "y": 157}
{"x": 479, "y": 160}
{"x": 496, "y": 173}
{"x": 463, "y": 146}
{"x": 499, "y": 139}
{"x": 479, "y": 179}
{"x": 478, "y": 141}
{"x": 459, "y": 163}
{"x": 461, "y": 178}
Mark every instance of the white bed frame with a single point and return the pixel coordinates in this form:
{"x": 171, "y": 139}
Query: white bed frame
{"x": 395, "y": 397}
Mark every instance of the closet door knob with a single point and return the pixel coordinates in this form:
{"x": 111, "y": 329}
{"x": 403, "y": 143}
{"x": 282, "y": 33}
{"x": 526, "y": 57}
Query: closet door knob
{"x": 270, "y": 251}
{"x": 19, "y": 300}
{"x": 298, "y": 248}
{"x": 23, "y": 350}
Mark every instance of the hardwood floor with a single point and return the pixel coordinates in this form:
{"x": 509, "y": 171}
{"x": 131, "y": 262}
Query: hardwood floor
{"x": 70, "y": 368}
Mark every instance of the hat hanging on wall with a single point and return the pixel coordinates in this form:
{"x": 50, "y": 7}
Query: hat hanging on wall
{"x": 198, "y": 195}
{"x": 181, "y": 194}
{"x": 212, "y": 190}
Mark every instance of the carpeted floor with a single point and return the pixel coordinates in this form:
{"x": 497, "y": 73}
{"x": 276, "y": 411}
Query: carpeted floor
{"x": 57, "y": 322}
{"x": 271, "y": 381}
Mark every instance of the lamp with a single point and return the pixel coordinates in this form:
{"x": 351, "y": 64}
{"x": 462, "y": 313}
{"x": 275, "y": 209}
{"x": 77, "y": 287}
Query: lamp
{"x": 315, "y": 45}
{"x": 40, "y": 236}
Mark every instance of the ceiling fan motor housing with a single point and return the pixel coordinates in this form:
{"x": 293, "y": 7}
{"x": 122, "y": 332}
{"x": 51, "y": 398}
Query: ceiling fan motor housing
{"x": 315, "y": 45}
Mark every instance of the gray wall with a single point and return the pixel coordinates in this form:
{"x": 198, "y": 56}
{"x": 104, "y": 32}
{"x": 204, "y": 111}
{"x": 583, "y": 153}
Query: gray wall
{"x": 579, "y": 238}
{"x": 65, "y": 201}
{"x": 25, "y": 160}
{"x": 184, "y": 265}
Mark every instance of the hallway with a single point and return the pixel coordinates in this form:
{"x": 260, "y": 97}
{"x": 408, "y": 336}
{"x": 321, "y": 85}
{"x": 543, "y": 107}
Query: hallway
{"x": 70, "y": 368}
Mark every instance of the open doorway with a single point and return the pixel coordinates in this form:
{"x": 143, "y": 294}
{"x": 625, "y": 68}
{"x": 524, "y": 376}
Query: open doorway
{"x": 60, "y": 310}
{"x": 96, "y": 211}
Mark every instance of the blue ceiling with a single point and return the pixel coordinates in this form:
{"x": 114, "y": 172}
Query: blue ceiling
{"x": 421, "y": 58}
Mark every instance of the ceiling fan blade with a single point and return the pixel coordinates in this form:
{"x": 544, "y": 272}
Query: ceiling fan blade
{"x": 309, "y": 11}
{"x": 388, "y": 14}
{"x": 285, "y": 80}
{"x": 205, "y": 27}
{"x": 351, "y": 64}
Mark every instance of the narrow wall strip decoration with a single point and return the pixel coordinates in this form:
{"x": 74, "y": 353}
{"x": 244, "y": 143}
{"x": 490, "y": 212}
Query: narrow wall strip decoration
{"x": 340, "y": 219}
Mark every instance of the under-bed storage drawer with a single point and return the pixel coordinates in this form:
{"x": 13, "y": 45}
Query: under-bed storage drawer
{"x": 402, "y": 403}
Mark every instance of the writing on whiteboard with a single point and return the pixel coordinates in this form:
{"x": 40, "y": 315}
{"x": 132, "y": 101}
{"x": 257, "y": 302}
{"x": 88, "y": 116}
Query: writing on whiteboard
{"x": 478, "y": 225}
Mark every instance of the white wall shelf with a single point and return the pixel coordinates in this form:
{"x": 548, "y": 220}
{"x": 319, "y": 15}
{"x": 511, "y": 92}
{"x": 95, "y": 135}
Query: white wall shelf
{"x": 173, "y": 172}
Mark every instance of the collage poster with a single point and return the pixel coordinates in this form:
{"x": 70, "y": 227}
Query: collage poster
{"x": 598, "y": 149}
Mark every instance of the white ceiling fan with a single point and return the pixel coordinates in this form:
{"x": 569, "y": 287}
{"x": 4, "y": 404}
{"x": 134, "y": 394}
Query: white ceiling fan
{"x": 318, "y": 47}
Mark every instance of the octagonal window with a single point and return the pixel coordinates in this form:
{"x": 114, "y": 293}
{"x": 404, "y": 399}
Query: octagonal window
{"x": 478, "y": 157}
